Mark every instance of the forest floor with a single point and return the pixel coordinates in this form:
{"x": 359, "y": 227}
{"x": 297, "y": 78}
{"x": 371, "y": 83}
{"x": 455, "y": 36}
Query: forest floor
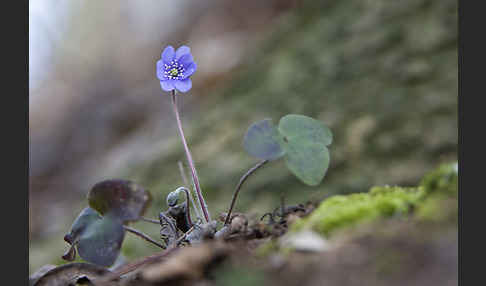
{"x": 387, "y": 236}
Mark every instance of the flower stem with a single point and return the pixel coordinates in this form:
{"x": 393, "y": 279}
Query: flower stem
{"x": 189, "y": 159}
{"x": 238, "y": 187}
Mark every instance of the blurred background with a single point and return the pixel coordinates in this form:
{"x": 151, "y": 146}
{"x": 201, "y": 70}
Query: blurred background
{"x": 381, "y": 74}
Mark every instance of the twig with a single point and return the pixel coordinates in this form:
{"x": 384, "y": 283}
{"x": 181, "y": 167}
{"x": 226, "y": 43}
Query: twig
{"x": 183, "y": 236}
{"x": 189, "y": 159}
{"x": 155, "y": 221}
{"x": 143, "y": 236}
{"x": 238, "y": 187}
{"x": 124, "y": 269}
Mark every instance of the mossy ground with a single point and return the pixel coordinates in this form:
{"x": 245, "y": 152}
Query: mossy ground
{"x": 434, "y": 199}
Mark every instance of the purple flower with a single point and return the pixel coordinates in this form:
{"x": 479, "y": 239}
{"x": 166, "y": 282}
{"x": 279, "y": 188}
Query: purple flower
{"x": 174, "y": 69}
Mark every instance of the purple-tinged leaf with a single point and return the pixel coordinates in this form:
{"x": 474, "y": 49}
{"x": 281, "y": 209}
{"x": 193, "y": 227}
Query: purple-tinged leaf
{"x": 101, "y": 242}
{"x": 121, "y": 198}
{"x": 98, "y": 239}
{"x": 262, "y": 140}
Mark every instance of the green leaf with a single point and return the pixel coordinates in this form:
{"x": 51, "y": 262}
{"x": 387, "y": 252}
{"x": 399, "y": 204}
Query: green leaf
{"x": 84, "y": 219}
{"x": 101, "y": 242}
{"x": 262, "y": 140}
{"x": 98, "y": 239}
{"x": 122, "y": 198}
{"x": 299, "y": 126}
{"x": 308, "y": 161}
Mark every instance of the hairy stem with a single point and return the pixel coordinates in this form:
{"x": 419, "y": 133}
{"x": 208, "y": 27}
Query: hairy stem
{"x": 189, "y": 159}
{"x": 238, "y": 187}
{"x": 143, "y": 236}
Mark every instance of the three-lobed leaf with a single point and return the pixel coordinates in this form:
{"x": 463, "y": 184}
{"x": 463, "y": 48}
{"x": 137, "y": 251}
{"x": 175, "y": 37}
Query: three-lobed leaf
{"x": 98, "y": 231}
{"x": 98, "y": 239}
{"x": 101, "y": 242}
{"x": 300, "y": 139}
{"x": 121, "y": 198}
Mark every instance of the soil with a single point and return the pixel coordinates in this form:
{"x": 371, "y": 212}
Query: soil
{"x": 395, "y": 251}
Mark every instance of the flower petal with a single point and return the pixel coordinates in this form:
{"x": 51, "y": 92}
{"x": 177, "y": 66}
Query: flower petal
{"x": 168, "y": 54}
{"x": 182, "y": 50}
{"x": 183, "y": 85}
{"x": 189, "y": 70}
{"x": 159, "y": 69}
{"x": 186, "y": 60}
{"x": 167, "y": 85}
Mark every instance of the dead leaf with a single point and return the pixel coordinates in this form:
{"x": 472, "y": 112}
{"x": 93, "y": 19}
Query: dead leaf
{"x": 70, "y": 274}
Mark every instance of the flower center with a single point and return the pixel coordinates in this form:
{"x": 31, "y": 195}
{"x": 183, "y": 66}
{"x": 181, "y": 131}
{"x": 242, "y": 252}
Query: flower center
{"x": 174, "y": 70}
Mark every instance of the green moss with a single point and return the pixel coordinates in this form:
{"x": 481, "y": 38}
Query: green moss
{"x": 441, "y": 186}
{"x": 433, "y": 199}
{"x": 349, "y": 210}
{"x": 443, "y": 180}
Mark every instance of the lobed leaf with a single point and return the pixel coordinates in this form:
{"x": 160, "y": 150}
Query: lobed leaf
{"x": 98, "y": 239}
{"x": 301, "y": 139}
{"x": 84, "y": 219}
{"x": 101, "y": 242}
{"x": 262, "y": 140}
{"x": 295, "y": 126}
{"x": 121, "y": 198}
{"x": 307, "y": 160}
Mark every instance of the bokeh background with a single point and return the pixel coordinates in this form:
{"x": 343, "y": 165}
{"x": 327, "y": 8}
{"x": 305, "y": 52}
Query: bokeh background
{"x": 381, "y": 74}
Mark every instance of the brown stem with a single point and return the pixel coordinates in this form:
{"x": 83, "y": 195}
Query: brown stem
{"x": 238, "y": 187}
{"x": 191, "y": 162}
{"x": 143, "y": 236}
{"x": 124, "y": 269}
